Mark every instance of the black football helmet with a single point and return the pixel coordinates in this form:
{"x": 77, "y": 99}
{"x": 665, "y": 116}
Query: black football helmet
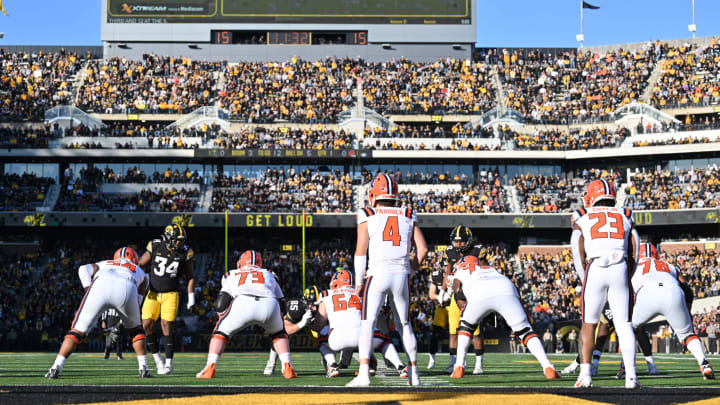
{"x": 174, "y": 237}
{"x": 311, "y": 295}
{"x": 462, "y": 233}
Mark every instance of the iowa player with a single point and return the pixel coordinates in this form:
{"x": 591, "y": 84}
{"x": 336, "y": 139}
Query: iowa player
{"x": 440, "y": 317}
{"x": 461, "y": 244}
{"x": 166, "y": 258}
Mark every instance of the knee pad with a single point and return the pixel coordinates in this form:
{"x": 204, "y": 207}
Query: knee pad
{"x": 466, "y": 328}
{"x": 526, "y": 334}
{"x": 223, "y": 301}
{"x": 136, "y": 333}
{"x": 76, "y": 337}
{"x": 222, "y": 336}
{"x": 283, "y": 335}
{"x": 687, "y": 338}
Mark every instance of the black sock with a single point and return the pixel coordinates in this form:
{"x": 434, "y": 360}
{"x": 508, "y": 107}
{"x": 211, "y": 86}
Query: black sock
{"x": 152, "y": 343}
{"x": 453, "y": 351}
{"x": 169, "y": 346}
{"x": 479, "y": 352}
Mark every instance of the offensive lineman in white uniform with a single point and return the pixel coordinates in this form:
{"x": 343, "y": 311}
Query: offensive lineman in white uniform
{"x": 657, "y": 292}
{"x": 487, "y": 290}
{"x": 119, "y": 283}
{"x": 389, "y": 232}
{"x": 338, "y": 318}
{"x": 604, "y": 245}
{"x": 250, "y": 296}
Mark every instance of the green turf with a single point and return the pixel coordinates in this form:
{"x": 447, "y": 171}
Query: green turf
{"x": 245, "y": 369}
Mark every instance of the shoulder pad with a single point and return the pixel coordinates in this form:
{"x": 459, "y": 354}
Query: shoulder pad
{"x": 409, "y": 212}
{"x": 368, "y": 211}
{"x": 323, "y": 293}
{"x": 628, "y": 213}
{"x": 189, "y": 253}
{"x": 580, "y": 212}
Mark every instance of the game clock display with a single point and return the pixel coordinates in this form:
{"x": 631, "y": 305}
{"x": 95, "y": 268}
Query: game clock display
{"x": 229, "y": 37}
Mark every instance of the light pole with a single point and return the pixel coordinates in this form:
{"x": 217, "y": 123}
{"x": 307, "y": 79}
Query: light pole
{"x": 692, "y": 27}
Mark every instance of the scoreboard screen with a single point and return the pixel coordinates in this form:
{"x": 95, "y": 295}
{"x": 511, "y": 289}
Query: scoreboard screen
{"x": 291, "y": 11}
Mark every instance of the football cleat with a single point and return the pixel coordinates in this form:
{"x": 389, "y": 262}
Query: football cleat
{"x": 551, "y": 373}
{"x": 620, "y": 374}
{"x": 159, "y": 363}
{"x": 269, "y": 369}
{"x": 53, "y": 373}
{"x": 632, "y": 383}
{"x": 449, "y": 370}
{"x": 332, "y": 371}
{"x": 288, "y": 371}
{"x": 402, "y": 371}
{"x": 120, "y": 357}
{"x": 207, "y": 372}
{"x": 583, "y": 381}
{"x": 652, "y": 370}
{"x": 571, "y": 368}
{"x": 359, "y": 381}
{"x": 168, "y": 369}
{"x": 706, "y": 369}
{"x": 478, "y": 369}
{"x": 458, "y": 372}
{"x": 144, "y": 372}
{"x": 431, "y": 362}
{"x": 414, "y": 377}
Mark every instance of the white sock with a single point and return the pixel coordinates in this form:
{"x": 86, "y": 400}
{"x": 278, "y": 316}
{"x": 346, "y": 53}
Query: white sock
{"x": 212, "y": 358}
{"x": 284, "y": 357}
{"x": 432, "y": 356}
{"x": 168, "y": 362}
{"x": 462, "y": 346}
{"x": 584, "y": 368}
{"x": 142, "y": 361}
{"x": 536, "y": 348}
{"x": 158, "y": 357}
{"x": 390, "y": 353}
{"x": 478, "y": 360}
{"x": 364, "y": 371}
{"x": 626, "y": 339}
{"x": 327, "y": 354}
{"x": 650, "y": 360}
{"x": 59, "y": 362}
{"x": 696, "y": 349}
{"x": 273, "y": 357}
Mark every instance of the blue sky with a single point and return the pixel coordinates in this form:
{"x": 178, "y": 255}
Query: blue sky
{"x": 519, "y": 23}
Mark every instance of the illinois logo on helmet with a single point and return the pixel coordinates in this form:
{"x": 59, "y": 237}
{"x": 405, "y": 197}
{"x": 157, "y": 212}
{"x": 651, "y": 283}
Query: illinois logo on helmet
{"x": 249, "y": 258}
{"x": 648, "y": 250}
{"x": 127, "y": 254}
{"x": 383, "y": 187}
{"x": 599, "y": 190}
{"x": 341, "y": 278}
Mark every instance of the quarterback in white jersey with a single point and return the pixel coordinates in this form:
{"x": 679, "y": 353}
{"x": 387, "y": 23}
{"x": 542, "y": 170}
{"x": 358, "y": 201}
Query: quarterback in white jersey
{"x": 390, "y": 233}
{"x": 249, "y": 296}
{"x": 487, "y": 290}
{"x": 658, "y": 292}
{"x": 604, "y": 246}
{"x": 119, "y": 283}
{"x": 339, "y": 318}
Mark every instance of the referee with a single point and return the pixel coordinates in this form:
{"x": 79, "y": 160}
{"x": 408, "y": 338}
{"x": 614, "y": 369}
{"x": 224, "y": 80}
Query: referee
{"x": 113, "y": 327}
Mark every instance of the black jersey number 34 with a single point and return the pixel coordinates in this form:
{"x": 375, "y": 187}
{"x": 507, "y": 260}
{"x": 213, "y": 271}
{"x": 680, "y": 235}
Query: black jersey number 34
{"x": 161, "y": 268}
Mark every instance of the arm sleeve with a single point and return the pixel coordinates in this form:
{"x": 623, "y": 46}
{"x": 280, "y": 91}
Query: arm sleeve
{"x": 575, "y": 247}
{"x": 359, "y": 264}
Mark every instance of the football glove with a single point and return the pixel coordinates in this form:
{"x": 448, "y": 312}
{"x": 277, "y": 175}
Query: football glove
{"x": 307, "y": 317}
{"x": 441, "y": 297}
{"x": 191, "y": 301}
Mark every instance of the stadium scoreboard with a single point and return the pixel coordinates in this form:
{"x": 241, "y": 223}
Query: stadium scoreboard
{"x": 289, "y": 22}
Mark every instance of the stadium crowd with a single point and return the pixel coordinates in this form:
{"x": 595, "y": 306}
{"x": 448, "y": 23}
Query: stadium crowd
{"x": 574, "y": 139}
{"x": 152, "y": 85}
{"x": 280, "y": 191}
{"x": 554, "y": 193}
{"x": 690, "y": 77}
{"x": 23, "y": 192}
{"x": 679, "y": 189}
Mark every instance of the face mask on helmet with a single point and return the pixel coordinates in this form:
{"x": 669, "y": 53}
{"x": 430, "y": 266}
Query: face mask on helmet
{"x": 174, "y": 237}
{"x": 311, "y": 295}
{"x": 461, "y": 237}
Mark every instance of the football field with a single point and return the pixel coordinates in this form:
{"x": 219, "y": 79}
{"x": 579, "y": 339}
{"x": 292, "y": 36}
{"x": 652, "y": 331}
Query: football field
{"x": 517, "y": 374}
